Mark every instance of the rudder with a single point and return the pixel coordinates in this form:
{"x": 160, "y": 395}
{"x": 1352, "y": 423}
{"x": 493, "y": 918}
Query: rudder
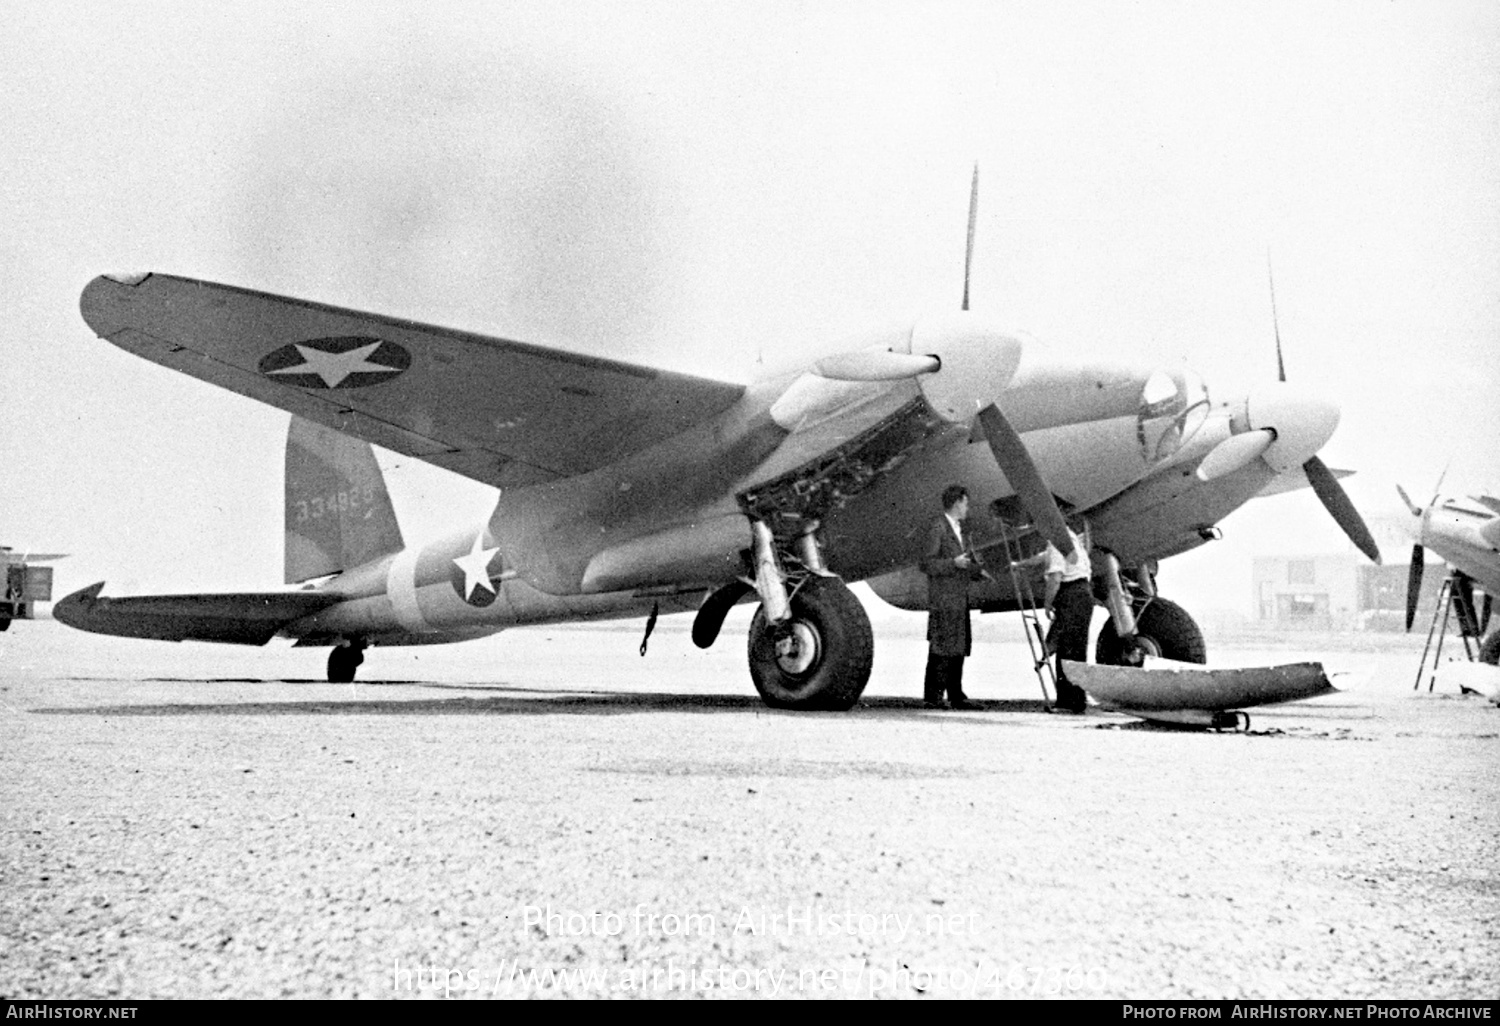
{"x": 338, "y": 512}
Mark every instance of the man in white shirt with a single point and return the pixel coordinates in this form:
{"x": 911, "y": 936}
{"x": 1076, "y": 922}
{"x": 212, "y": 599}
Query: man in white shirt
{"x": 1069, "y": 598}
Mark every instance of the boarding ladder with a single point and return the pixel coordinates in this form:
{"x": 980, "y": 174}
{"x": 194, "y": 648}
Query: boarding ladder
{"x": 1450, "y": 602}
{"x": 1031, "y": 619}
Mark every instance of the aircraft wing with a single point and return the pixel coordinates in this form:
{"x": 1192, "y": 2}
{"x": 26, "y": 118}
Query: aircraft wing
{"x": 241, "y": 619}
{"x": 502, "y": 412}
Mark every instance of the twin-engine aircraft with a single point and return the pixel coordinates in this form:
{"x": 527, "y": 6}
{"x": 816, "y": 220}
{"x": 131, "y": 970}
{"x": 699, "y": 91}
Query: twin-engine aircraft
{"x": 1466, "y": 533}
{"x": 626, "y": 490}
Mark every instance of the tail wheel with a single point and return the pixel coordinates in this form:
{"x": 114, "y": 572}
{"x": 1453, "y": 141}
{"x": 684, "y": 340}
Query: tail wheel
{"x": 342, "y": 662}
{"x": 818, "y": 659}
{"x": 1489, "y": 652}
{"x": 1163, "y": 628}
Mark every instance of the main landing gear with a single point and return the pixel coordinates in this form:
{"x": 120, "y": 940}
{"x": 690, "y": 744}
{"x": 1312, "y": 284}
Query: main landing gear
{"x": 1142, "y": 623}
{"x": 811, "y": 646}
{"x": 344, "y": 660}
{"x": 1163, "y": 629}
{"x": 819, "y": 657}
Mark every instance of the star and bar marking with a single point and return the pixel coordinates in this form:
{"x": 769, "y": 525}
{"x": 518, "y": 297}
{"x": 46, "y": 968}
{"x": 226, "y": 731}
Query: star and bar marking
{"x": 478, "y": 587}
{"x": 338, "y": 362}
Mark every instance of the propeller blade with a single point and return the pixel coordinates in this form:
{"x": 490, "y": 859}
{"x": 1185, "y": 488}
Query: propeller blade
{"x": 1416, "y": 510}
{"x": 1275, "y": 326}
{"x": 1017, "y": 466}
{"x": 969, "y": 249}
{"x": 875, "y": 365}
{"x": 1235, "y": 452}
{"x": 1334, "y": 499}
{"x": 1414, "y": 584}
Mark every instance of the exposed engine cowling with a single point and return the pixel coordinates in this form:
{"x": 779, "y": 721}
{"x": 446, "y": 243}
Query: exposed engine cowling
{"x": 956, "y": 365}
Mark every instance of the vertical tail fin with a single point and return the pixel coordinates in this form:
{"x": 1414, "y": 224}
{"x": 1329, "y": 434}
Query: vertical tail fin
{"x": 338, "y": 512}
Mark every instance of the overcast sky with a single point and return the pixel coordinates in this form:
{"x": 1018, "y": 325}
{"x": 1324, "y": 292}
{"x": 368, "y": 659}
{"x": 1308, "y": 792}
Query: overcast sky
{"x": 700, "y": 185}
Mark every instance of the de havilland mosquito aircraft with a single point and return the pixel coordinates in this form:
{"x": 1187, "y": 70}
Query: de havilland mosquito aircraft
{"x": 1466, "y": 533}
{"x": 626, "y": 490}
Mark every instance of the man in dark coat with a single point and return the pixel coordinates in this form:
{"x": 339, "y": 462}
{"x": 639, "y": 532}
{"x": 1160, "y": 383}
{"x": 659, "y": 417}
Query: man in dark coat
{"x": 949, "y": 562}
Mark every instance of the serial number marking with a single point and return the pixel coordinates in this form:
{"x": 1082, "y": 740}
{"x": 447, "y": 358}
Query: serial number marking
{"x": 333, "y": 504}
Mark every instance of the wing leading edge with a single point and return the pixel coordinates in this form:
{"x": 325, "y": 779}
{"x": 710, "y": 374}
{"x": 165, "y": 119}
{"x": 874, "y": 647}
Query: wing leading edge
{"x": 501, "y": 412}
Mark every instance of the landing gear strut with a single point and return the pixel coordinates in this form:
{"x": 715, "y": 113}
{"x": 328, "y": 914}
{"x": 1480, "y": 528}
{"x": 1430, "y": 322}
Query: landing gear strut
{"x": 1122, "y": 614}
{"x": 344, "y": 660}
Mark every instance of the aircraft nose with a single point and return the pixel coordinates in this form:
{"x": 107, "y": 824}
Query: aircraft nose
{"x": 1302, "y": 421}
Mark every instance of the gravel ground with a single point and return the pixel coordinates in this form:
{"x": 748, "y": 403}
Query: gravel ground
{"x": 547, "y": 812}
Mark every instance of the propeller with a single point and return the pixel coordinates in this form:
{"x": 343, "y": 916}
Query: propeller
{"x": 1022, "y": 473}
{"x": 1005, "y": 443}
{"x": 1418, "y": 552}
{"x": 1336, "y": 501}
{"x": 1324, "y": 484}
{"x": 1418, "y": 559}
{"x": 1275, "y": 325}
{"x": 1414, "y": 583}
{"x": 969, "y": 249}
{"x": 1235, "y": 452}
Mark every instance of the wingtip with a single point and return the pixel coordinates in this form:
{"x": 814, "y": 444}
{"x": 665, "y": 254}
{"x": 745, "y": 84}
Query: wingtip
{"x": 73, "y": 609}
{"x": 101, "y": 300}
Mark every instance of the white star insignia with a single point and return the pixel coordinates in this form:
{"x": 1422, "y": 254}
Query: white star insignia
{"x": 476, "y": 567}
{"x": 335, "y": 367}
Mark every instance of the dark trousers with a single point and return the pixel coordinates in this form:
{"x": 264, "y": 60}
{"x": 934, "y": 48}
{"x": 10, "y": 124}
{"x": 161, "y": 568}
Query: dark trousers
{"x": 1072, "y": 611}
{"x": 944, "y": 673}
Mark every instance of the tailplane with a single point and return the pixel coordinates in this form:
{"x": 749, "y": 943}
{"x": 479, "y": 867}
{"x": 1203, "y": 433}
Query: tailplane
{"x": 338, "y": 512}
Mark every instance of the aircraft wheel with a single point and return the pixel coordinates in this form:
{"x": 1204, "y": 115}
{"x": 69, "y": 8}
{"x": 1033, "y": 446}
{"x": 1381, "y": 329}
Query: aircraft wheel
{"x": 1489, "y": 652}
{"x": 1164, "y": 629}
{"x": 4, "y": 624}
{"x": 342, "y": 662}
{"x": 820, "y": 658}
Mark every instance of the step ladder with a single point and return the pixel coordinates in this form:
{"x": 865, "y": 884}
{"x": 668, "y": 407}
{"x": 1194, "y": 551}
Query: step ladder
{"x": 1450, "y": 602}
{"x": 1031, "y": 619}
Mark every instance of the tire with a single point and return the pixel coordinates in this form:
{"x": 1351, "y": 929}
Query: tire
{"x": 4, "y": 623}
{"x": 343, "y": 661}
{"x": 1489, "y": 651}
{"x": 830, "y": 666}
{"x": 1163, "y": 628}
